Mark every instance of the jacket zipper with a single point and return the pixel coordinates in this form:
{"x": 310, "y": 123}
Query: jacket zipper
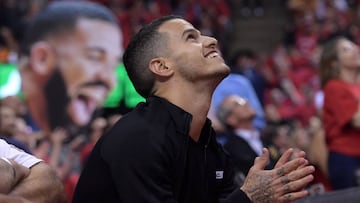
{"x": 205, "y": 165}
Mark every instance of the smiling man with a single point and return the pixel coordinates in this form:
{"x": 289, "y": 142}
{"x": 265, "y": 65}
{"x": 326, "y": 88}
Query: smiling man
{"x": 67, "y": 63}
{"x": 165, "y": 149}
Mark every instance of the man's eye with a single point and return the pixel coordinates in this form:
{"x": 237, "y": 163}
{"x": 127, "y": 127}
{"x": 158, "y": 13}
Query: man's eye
{"x": 191, "y": 37}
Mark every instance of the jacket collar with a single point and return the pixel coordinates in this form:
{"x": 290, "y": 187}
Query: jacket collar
{"x": 182, "y": 119}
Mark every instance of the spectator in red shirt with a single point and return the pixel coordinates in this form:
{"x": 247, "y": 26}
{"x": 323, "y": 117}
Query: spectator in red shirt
{"x": 339, "y": 68}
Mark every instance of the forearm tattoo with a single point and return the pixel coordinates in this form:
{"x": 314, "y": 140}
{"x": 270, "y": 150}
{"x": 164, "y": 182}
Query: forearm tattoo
{"x": 259, "y": 188}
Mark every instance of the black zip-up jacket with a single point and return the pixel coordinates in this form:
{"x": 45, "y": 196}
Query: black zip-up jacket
{"x": 148, "y": 156}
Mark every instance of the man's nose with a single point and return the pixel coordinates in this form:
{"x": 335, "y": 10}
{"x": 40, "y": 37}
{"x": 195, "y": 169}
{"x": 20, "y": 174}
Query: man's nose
{"x": 209, "y": 41}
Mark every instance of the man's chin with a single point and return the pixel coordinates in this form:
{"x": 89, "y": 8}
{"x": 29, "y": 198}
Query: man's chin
{"x": 224, "y": 72}
{"x": 220, "y": 75}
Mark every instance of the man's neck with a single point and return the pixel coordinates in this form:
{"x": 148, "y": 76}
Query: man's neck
{"x": 193, "y": 97}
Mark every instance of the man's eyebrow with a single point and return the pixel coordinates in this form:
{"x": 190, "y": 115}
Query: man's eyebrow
{"x": 189, "y": 30}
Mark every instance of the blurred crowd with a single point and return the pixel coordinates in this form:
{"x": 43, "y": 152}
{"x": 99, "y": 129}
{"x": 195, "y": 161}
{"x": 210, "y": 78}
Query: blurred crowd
{"x": 286, "y": 80}
{"x": 212, "y": 17}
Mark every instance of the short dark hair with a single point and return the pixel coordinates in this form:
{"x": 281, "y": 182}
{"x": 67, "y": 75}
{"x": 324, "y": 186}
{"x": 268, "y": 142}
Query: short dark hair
{"x": 144, "y": 46}
{"x": 60, "y": 17}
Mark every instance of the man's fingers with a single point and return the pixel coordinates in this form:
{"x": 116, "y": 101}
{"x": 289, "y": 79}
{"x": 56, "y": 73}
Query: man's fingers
{"x": 300, "y": 173}
{"x": 300, "y": 154}
{"x": 295, "y": 186}
{"x": 284, "y": 158}
{"x": 294, "y": 190}
{"x": 295, "y": 175}
{"x": 290, "y": 197}
{"x": 289, "y": 166}
{"x": 261, "y": 161}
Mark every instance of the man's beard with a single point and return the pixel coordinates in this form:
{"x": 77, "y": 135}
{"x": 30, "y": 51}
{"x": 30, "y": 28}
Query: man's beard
{"x": 57, "y": 102}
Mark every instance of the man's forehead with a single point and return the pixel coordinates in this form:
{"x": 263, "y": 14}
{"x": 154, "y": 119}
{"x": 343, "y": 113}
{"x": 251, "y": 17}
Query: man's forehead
{"x": 175, "y": 25}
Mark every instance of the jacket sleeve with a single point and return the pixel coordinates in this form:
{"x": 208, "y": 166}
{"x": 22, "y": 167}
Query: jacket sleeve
{"x": 139, "y": 164}
{"x": 230, "y": 192}
{"x": 238, "y": 196}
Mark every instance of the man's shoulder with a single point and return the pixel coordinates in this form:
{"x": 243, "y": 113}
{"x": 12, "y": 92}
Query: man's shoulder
{"x": 142, "y": 118}
{"x": 136, "y": 127}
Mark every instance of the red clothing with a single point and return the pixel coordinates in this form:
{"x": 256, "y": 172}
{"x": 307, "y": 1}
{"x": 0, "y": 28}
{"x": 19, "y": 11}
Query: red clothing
{"x": 306, "y": 43}
{"x": 85, "y": 151}
{"x": 70, "y": 184}
{"x": 319, "y": 177}
{"x": 341, "y": 101}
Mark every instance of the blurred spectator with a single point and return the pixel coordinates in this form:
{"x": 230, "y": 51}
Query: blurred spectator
{"x": 9, "y": 47}
{"x": 63, "y": 158}
{"x": 292, "y": 85}
{"x": 97, "y": 129}
{"x": 311, "y": 139}
{"x": 245, "y": 62}
{"x": 339, "y": 72}
{"x": 244, "y": 143}
{"x": 27, "y": 179}
{"x": 112, "y": 119}
{"x": 235, "y": 84}
{"x": 7, "y": 117}
{"x": 317, "y": 152}
{"x": 13, "y": 129}
{"x": 276, "y": 137}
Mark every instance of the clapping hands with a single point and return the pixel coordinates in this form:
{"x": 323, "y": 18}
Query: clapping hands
{"x": 284, "y": 183}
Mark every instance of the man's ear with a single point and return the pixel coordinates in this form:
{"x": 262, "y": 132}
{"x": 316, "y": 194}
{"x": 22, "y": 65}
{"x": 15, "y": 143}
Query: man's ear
{"x": 42, "y": 58}
{"x": 158, "y": 66}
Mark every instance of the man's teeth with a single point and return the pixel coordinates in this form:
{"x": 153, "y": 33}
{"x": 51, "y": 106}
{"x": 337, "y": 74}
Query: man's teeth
{"x": 212, "y": 55}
